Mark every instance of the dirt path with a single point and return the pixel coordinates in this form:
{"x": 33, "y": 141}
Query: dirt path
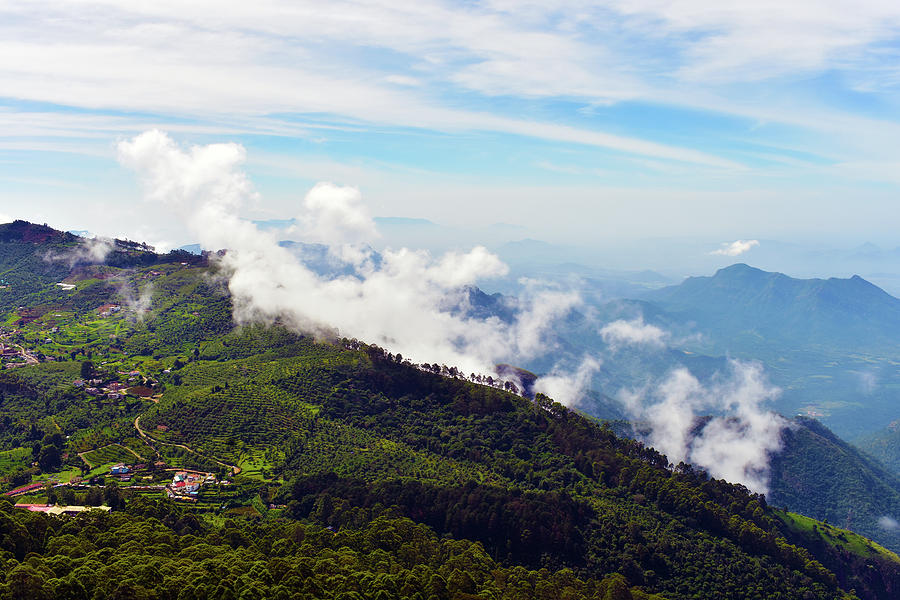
{"x": 123, "y": 446}
{"x": 152, "y": 440}
{"x": 29, "y": 358}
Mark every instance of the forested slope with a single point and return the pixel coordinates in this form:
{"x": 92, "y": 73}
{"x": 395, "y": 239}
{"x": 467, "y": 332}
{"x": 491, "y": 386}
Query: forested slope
{"x": 343, "y": 471}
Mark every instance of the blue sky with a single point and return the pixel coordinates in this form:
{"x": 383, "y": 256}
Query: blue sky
{"x": 580, "y": 121}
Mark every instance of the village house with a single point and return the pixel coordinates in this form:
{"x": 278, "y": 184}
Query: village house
{"x": 108, "y": 309}
{"x": 186, "y": 484}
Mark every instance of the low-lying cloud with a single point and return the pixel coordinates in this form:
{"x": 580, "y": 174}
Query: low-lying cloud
{"x": 88, "y": 251}
{"x": 634, "y": 332}
{"x": 568, "y": 388}
{"x": 136, "y": 300}
{"x": 398, "y": 301}
{"x": 868, "y": 381}
{"x": 735, "y": 248}
{"x": 735, "y": 446}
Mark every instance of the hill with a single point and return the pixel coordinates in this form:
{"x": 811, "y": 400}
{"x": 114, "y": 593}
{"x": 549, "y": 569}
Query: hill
{"x": 829, "y": 344}
{"x": 351, "y": 430}
{"x": 336, "y": 469}
{"x": 884, "y": 445}
{"x": 760, "y": 307}
{"x": 819, "y": 475}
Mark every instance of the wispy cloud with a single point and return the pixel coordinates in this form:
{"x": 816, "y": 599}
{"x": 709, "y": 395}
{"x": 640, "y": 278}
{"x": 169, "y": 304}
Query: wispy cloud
{"x": 683, "y": 96}
{"x": 177, "y": 61}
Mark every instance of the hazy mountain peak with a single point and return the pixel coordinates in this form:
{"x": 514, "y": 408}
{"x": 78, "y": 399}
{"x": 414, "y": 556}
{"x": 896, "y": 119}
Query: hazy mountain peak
{"x": 744, "y": 300}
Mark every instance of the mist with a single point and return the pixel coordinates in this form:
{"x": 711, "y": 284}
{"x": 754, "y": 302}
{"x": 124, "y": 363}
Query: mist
{"x": 88, "y": 251}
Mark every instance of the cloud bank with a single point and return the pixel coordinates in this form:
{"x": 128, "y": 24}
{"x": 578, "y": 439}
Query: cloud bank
{"x": 567, "y": 388}
{"x": 399, "y": 301}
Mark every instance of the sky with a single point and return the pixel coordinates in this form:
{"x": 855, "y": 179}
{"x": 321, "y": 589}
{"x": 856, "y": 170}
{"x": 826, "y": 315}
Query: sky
{"x": 577, "y": 122}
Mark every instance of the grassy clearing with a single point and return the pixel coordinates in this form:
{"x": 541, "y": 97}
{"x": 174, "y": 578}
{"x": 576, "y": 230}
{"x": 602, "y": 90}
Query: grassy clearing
{"x": 842, "y": 539}
{"x": 61, "y": 477}
{"x": 140, "y": 447}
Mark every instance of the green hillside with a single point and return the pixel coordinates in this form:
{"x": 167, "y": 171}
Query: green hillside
{"x": 338, "y": 470}
{"x": 819, "y": 475}
{"x": 534, "y": 484}
{"x": 884, "y": 445}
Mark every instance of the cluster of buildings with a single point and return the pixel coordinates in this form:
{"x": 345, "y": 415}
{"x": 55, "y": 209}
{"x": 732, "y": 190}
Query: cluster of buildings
{"x": 186, "y": 484}
{"x": 124, "y": 472}
{"x": 95, "y": 387}
{"x": 108, "y": 309}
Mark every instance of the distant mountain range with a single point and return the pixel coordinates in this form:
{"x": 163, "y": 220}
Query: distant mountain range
{"x": 757, "y": 307}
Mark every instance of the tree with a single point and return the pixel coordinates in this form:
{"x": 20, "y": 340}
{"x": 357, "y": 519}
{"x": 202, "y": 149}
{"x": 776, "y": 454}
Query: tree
{"x": 87, "y": 369}
{"x": 49, "y": 458}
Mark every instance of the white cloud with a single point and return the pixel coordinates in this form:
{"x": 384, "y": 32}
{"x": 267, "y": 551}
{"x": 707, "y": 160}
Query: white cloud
{"x": 352, "y": 68}
{"x": 868, "y": 381}
{"x": 735, "y": 248}
{"x": 743, "y": 41}
{"x": 167, "y": 59}
{"x": 400, "y": 304}
{"x": 735, "y": 446}
{"x": 568, "y": 388}
{"x": 336, "y": 215}
{"x": 888, "y": 523}
{"x": 634, "y": 332}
